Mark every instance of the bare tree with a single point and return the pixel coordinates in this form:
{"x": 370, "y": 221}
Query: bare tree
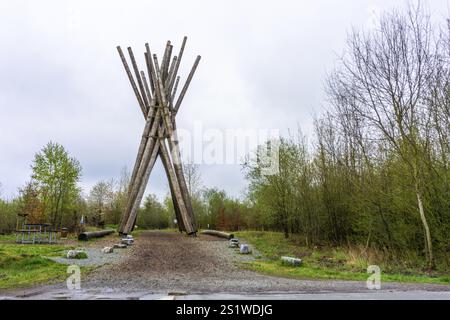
{"x": 384, "y": 82}
{"x": 101, "y": 199}
{"x": 193, "y": 177}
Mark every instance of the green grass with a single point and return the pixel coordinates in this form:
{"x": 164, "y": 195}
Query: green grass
{"x": 7, "y": 238}
{"x": 323, "y": 262}
{"x": 24, "y": 265}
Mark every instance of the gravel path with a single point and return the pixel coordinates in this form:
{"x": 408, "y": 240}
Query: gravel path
{"x": 162, "y": 263}
{"x": 170, "y": 262}
{"x": 95, "y": 257}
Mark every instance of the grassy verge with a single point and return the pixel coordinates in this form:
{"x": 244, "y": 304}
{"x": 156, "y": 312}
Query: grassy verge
{"x": 324, "y": 262}
{"x": 23, "y": 265}
{"x": 26, "y": 265}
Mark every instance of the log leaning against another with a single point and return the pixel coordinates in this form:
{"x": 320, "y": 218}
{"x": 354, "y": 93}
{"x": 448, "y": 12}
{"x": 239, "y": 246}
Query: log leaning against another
{"x": 218, "y": 234}
{"x": 85, "y": 236}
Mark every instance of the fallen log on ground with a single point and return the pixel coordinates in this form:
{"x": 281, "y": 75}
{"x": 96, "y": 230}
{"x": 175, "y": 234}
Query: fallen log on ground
{"x": 85, "y": 236}
{"x": 220, "y": 234}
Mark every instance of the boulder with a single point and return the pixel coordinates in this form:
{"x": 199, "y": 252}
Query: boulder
{"x": 245, "y": 249}
{"x": 71, "y": 254}
{"x": 233, "y": 243}
{"x": 76, "y": 254}
{"x": 291, "y": 261}
{"x": 108, "y": 250}
{"x": 128, "y": 242}
{"x": 119, "y": 246}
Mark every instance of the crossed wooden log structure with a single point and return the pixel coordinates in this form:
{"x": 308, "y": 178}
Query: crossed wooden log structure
{"x": 156, "y": 98}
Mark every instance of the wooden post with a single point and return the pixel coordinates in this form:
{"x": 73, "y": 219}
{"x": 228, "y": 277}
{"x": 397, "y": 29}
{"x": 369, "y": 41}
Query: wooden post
{"x": 180, "y": 55}
{"x": 186, "y": 85}
{"x": 139, "y": 80}
{"x": 133, "y": 84}
{"x": 175, "y": 151}
{"x": 170, "y": 74}
{"x": 141, "y": 166}
{"x": 176, "y": 208}
{"x": 172, "y": 98}
{"x": 140, "y": 192}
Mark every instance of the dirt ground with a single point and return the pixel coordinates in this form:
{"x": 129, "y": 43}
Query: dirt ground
{"x": 168, "y": 263}
{"x": 171, "y": 262}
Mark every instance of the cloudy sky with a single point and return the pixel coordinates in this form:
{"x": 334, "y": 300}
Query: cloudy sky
{"x": 263, "y": 66}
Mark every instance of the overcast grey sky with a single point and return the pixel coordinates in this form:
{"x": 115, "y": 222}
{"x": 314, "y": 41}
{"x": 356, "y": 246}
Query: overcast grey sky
{"x": 263, "y": 66}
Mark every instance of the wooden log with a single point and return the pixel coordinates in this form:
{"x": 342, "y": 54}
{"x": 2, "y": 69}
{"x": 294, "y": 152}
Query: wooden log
{"x": 163, "y": 122}
{"x": 172, "y": 98}
{"x": 140, "y": 175}
{"x": 129, "y": 216}
{"x": 143, "y": 139}
{"x": 166, "y": 61}
{"x": 134, "y": 185}
{"x": 188, "y": 225}
{"x": 145, "y": 169}
{"x": 186, "y": 85}
{"x": 170, "y": 74}
{"x": 176, "y": 189}
{"x": 176, "y": 207}
{"x": 136, "y": 197}
{"x": 155, "y": 61}
{"x": 146, "y": 87}
{"x": 85, "y": 236}
{"x": 150, "y": 67}
{"x": 219, "y": 234}
{"x": 139, "y": 80}
{"x": 137, "y": 164}
{"x": 166, "y": 162}
{"x": 180, "y": 55}
{"x": 175, "y": 186}
{"x": 132, "y": 82}
{"x": 155, "y": 74}
{"x": 176, "y": 155}
{"x": 131, "y": 222}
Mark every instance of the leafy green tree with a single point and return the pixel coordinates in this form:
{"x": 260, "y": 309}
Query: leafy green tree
{"x": 8, "y": 215}
{"x": 153, "y": 215}
{"x": 56, "y": 175}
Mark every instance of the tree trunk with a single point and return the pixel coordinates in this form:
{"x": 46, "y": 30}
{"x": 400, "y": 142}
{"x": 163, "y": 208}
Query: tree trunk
{"x": 429, "y": 246}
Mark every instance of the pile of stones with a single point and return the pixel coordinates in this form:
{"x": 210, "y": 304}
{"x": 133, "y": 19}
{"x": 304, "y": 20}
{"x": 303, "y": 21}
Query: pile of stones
{"x": 124, "y": 243}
